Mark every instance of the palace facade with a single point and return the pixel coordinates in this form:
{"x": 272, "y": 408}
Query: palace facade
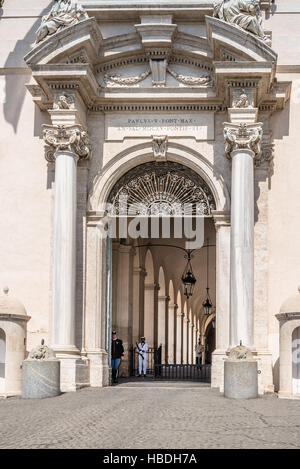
{"x": 167, "y": 103}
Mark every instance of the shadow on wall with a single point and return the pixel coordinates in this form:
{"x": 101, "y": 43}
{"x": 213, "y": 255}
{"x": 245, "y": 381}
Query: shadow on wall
{"x": 15, "y": 89}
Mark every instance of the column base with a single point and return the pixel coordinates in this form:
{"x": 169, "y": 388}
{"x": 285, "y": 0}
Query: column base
{"x": 66, "y": 351}
{"x": 217, "y": 369}
{"x": 99, "y": 369}
{"x": 74, "y": 374}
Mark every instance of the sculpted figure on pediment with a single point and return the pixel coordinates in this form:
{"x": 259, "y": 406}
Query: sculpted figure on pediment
{"x": 63, "y": 13}
{"x": 243, "y": 13}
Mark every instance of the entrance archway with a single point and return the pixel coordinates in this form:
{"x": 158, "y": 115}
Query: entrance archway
{"x": 144, "y": 266}
{"x": 98, "y": 320}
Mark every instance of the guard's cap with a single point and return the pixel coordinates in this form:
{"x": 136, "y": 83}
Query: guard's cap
{"x": 114, "y": 332}
{"x": 143, "y": 337}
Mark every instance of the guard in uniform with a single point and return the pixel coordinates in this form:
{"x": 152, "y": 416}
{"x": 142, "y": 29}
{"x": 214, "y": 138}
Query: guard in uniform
{"x": 142, "y": 349}
{"x": 117, "y": 355}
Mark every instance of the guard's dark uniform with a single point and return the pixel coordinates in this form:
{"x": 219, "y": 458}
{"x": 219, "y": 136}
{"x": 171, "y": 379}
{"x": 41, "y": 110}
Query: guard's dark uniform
{"x": 117, "y": 351}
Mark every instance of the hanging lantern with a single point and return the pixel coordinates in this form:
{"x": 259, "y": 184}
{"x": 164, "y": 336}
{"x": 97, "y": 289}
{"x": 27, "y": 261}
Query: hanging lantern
{"x": 188, "y": 279}
{"x": 207, "y": 305}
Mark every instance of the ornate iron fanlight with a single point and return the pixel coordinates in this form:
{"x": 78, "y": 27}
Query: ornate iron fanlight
{"x": 188, "y": 278}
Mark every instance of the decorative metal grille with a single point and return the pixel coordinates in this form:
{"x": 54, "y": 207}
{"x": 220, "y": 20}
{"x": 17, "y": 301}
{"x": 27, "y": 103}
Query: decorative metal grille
{"x": 162, "y": 189}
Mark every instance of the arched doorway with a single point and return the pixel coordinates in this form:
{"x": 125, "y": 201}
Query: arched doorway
{"x": 148, "y": 269}
{"x": 296, "y": 360}
{"x": 100, "y": 264}
{"x": 2, "y": 360}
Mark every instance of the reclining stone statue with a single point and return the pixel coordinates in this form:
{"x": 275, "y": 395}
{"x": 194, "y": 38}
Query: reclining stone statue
{"x": 245, "y": 14}
{"x": 64, "y": 13}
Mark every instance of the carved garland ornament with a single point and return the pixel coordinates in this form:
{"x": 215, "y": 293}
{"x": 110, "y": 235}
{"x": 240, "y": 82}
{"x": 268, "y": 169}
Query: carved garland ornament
{"x": 162, "y": 189}
{"x": 243, "y": 136}
{"x": 116, "y": 80}
{"x": 191, "y": 80}
{"x": 66, "y": 138}
{"x": 112, "y": 80}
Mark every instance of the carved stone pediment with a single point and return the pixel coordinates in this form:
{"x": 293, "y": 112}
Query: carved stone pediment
{"x": 78, "y": 58}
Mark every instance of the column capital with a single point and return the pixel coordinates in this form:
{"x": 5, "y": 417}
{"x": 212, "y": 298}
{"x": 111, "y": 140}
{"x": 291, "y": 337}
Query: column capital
{"x": 72, "y": 138}
{"x": 163, "y": 298}
{"x": 140, "y": 271}
{"x": 242, "y": 136}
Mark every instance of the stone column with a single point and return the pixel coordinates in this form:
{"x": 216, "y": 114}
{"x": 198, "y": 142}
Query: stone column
{"x": 178, "y": 356}
{"x": 222, "y": 225}
{"x": 190, "y": 343}
{"x": 138, "y": 303}
{"x": 161, "y": 326}
{"x": 185, "y": 339}
{"x": 149, "y": 311}
{"x": 242, "y": 146}
{"x": 171, "y": 333}
{"x": 67, "y": 144}
{"x": 194, "y": 343}
{"x": 203, "y": 342}
{"x": 123, "y": 323}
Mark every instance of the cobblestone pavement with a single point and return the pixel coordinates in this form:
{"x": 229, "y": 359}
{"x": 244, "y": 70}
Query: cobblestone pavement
{"x": 158, "y": 415}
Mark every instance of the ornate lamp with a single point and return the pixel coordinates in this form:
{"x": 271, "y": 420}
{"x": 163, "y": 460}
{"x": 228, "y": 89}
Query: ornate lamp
{"x": 207, "y": 305}
{"x": 188, "y": 278}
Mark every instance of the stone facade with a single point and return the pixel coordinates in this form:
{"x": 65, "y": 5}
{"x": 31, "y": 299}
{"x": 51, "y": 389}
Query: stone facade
{"x": 102, "y": 89}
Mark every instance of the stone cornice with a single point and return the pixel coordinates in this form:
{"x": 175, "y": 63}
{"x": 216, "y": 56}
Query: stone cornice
{"x": 156, "y": 107}
{"x": 130, "y": 9}
{"x": 14, "y": 317}
{"x": 71, "y": 138}
{"x": 287, "y": 316}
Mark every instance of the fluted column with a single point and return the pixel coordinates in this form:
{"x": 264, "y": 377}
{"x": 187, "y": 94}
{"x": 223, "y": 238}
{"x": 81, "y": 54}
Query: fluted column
{"x": 242, "y": 147}
{"x": 66, "y": 145}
